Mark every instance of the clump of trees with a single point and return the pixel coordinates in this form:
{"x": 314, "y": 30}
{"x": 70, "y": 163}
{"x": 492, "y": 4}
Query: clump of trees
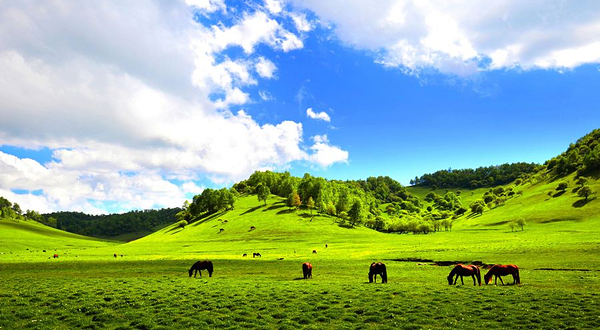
{"x": 475, "y": 178}
{"x": 582, "y": 156}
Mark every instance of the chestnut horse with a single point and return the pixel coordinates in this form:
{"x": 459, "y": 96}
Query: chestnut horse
{"x": 462, "y": 270}
{"x": 502, "y": 270}
{"x": 199, "y": 266}
{"x": 377, "y": 268}
{"x": 307, "y": 270}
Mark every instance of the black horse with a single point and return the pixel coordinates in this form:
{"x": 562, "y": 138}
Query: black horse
{"x": 199, "y": 266}
{"x": 377, "y": 268}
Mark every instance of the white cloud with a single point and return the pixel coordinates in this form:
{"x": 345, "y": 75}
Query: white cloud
{"x": 300, "y": 21}
{"x": 131, "y": 97}
{"x": 319, "y": 116}
{"x": 273, "y": 6}
{"x": 265, "y": 96}
{"x": 265, "y": 68}
{"x": 325, "y": 154}
{"x": 458, "y": 37}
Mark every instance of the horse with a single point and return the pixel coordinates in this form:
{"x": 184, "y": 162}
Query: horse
{"x": 377, "y": 268}
{"x": 245, "y": 255}
{"x": 256, "y": 254}
{"x": 502, "y": 270}
{"x": 55, "y": 256}
{"x": 307, "y": 270}
{"x": 462, "y": 270}
{"x": 199, "y": 266}
{"x": 115, "y": 255}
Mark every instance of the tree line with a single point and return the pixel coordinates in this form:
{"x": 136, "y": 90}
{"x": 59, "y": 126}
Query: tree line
{"x": 488, "y": 176}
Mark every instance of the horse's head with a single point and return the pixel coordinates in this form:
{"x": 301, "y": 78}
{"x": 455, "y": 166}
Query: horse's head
{"x": 191, "y": 271}
{"x": 487, "y": 278}
{"x": 450, "y": 279}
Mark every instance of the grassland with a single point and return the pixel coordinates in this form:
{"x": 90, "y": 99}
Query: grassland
{"x": 149, "y": 288}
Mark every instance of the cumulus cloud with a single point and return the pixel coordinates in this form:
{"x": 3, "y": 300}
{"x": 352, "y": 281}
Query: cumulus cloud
{"x": 324, "y": 154}
{"x": 462, "y": 38}
{"x": 132, "y": 98}
{"x": 319, "y": 116}
{"x": 265, "y": 68}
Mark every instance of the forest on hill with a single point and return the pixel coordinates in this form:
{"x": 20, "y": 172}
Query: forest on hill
{"x": 380, "y": 203}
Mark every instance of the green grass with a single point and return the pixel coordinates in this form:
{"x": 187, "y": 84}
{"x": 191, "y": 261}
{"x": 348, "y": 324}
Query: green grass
{"x": 148, "y": 288}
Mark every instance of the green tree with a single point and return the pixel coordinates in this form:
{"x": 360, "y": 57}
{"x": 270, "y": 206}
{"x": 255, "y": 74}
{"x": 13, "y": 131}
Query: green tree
{"x": 521, "y": 223}
{"x": 356, "y": 213}
{"x": 477, "y": 206}
{"x": 562, "y": 186}
{"x": 263, "y": 192}
{"x": 582, "y": 181}
{"x": 310, "y": 204}
{"x": 584, "y": 192}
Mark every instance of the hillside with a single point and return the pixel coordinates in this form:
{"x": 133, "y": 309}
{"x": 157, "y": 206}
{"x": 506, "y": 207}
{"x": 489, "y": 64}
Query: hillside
{"x": 28, "y": 239}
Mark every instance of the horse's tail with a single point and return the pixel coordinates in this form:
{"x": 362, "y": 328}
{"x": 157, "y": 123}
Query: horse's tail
{"x": 517, "y": 276}
{"x": 478, "y": 274}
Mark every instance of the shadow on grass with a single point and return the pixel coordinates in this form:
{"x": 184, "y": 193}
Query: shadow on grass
{"x": 252, "y": 209}
{"x": 558, "y": 194}
{"x": 286, "y": 211}
{"x": 473, "y": 215}
{"x": 582, "y": 202}
{"x": 273, "y": 207}
{"x": 207, "y": 217}
{"x": 175, "y": 229}
{"x": 299, "y": 278}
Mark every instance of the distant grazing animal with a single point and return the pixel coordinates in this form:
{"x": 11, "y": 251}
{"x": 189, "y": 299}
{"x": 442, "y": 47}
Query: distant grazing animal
{"x": 245, "y": 255}
{"x": 256, "y": 254}
{"x": 199, "y": 266}
{"x": 221, "y": 230}
{"x": 377, "y": 268}
{"x": 55, "y": 256}
{"x": 115, "y": 255}
{"x": 325, "y": 245}
{"x": 252, "y": 228}
{"x": 314, "y": 251}
{"x": 307, "y": 270}
{"x": 462, "y": 270}
{"x": 502, "y": 270}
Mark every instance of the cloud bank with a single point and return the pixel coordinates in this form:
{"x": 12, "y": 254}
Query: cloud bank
{"x": 135, "y": 101}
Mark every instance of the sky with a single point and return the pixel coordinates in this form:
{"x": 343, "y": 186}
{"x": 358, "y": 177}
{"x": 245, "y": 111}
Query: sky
{"x": 111, "y": 106}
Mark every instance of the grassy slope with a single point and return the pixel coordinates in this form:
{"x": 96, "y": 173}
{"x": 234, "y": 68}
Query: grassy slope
{"x": 31, "y": 237}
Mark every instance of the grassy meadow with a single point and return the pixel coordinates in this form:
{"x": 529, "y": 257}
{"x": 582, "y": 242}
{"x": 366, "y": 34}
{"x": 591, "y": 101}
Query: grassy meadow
{"x": 149, "y": 288}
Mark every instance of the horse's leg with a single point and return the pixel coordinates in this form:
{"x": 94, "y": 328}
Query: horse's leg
{"x": 501, "y": 281}
{"x": 461, "y": 280}
{"x": 473, "y": 276}
{"x": 456, "y": 279}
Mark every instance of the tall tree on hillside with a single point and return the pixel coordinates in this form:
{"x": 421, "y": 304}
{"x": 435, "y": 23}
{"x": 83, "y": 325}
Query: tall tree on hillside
{"x": 356, "y": 213}
{"x": 263, "y": 193}
{"x": 293, "y": 200}
{"x": 310, "y": 204}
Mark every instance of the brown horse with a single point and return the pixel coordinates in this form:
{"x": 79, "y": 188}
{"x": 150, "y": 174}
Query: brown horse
{"x": 199, "y": 266}
{"x": 462, "y": 270}
{"x": 307, "y": 270}
{"x": 377, "y": 268}
{"x": 502, "y": 270}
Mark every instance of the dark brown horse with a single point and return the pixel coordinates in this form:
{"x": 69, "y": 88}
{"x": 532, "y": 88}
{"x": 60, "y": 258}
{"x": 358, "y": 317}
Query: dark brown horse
{"x": 377, "y": 268}
{"x": 199, "y": 266}
{"x": 307, "y": 270}
{"x": 462, "y": 270}
{"x": 502, "y": 270}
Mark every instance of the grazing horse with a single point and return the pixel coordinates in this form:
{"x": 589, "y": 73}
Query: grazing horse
{"x": 55, "y": 256}
{"x": 377, "y": 268}
{"x": 462, "y": 270}
{"x": 502, "y": 270}
{"x": 245, "y": 255}
{"x": 307, "y": 270}
{"x": 256, "y": 254}
{"x": 199, "y": 266}
{"x": 314, "y": 251}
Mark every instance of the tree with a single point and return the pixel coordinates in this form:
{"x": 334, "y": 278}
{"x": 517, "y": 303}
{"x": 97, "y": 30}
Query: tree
{"x": 512, "y": 225}
{"x": 263, "y": 193}
{"x": 562, "y": 186}
{"x": 584, "y": 192}
{"x": 521, "y": 223}
{"x": 477, "y": 206}
{"x": 356, "y": 213}
{"x": 294, "y": 200}
{"x": 582, "y": 181}
{"x": 17, "y": 209}
{"x": 310, "y": 204}
{"x": 181, "y": 224}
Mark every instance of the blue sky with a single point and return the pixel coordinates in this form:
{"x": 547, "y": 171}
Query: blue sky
{"x": 135, "y": 105}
